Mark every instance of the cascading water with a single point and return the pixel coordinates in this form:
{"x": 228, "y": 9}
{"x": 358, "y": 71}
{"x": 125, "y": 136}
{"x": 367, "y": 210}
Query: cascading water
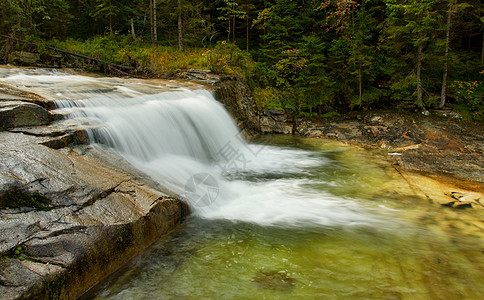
{"x": 186, "y": 141}
{"x": 311, "y": 189}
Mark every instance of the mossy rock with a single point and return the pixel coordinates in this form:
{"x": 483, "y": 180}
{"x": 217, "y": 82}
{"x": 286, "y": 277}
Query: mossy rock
{"x": 16, "y": 198}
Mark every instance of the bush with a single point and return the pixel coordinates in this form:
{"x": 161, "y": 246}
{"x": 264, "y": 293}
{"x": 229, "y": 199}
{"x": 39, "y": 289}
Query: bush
{"x": 227, "y": 58}
{"x": 470, "y": 94}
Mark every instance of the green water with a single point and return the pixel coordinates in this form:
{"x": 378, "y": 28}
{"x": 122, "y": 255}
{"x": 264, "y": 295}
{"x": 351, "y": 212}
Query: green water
{"x": 418, "y": 251}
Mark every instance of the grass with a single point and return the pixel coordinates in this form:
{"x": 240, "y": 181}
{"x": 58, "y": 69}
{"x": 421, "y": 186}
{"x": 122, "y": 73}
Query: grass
{"x": 160, "y": 61}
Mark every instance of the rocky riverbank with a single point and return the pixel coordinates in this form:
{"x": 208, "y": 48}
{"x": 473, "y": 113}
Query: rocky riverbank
{"x": 69, "y": 213}
{"x": 440, "y": 147}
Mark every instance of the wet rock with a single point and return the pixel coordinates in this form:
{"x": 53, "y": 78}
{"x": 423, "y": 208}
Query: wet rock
{"x": 12, "y": 93}
{"x": 236, "y": 96}
{"x": 276, "y": 121}
{"x": 462, "y": 205}
{"x": 101, "y": 216}
{"x": 462, "y": 200}
{"x": 17, "y": 113}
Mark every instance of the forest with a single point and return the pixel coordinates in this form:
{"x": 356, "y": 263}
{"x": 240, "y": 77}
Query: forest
{"x": 314, "y": 57}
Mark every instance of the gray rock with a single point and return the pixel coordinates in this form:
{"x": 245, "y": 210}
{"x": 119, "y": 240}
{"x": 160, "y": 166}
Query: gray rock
{"x": 276, "y": 121}
{"x": 102, "y": 215}
{"x": 236, "y": 96}
{"x": 17, "y": 113}
{"x": 201, "y": 76}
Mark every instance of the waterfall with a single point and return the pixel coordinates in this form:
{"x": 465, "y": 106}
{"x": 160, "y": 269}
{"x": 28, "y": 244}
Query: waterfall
{"x": 179, "y": 138}
{"x": 185, "y": 140}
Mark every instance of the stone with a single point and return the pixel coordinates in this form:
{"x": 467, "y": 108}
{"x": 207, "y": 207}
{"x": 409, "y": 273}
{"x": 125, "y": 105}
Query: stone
{"x": 201, "y": 76}
{"x": 15, "y": 278}
{"x": 17, "y": 114}
{"x": 101, "y": 216}
{"x": 276, "y": 121}
{"x": 237, "y": 98}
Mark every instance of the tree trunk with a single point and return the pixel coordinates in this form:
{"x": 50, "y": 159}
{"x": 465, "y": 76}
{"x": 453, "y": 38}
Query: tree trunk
{"x": 247, "y": 29}
{"x": 151, "y": 22}
{"x": 110, "y": 24}
{"x": 443, "y": 93}
{"x": 228, "y": 33}
{"x": 482, "y": 50}
{"x": 133, "y": 34}
{"x": 180, "y": 28}
{"x": 419, "y": 77}
{"x": 233, "y": 30}
{"x": 155, "y": 33}
{"x": 360, "y": 84}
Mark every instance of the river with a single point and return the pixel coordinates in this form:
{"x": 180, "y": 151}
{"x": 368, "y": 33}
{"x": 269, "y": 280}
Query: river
{"x": 280, "y": 217}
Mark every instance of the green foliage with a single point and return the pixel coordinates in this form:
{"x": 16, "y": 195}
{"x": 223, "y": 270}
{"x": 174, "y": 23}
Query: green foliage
{"x": 224, "y": 58}
{"x": 469, "y": 94}
{"x": 330, "y": 114}
{"x": 227, "y": 58}
{"x": 312, "y": 57}
{"x": 15, "y": 198}
{"x": 18, "y": 253}
{"x": 267, "y": 98}
{"x": 42, "y": 18}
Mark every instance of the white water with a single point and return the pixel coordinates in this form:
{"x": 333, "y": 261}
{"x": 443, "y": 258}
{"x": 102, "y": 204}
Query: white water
{"x": 187, "y": 141}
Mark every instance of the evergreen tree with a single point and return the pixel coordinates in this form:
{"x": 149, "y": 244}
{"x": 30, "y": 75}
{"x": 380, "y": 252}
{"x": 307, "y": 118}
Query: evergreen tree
{"x": 411, "y": 26}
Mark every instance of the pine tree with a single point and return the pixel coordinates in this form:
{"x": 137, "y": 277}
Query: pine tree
{"x": 411, "y": 25}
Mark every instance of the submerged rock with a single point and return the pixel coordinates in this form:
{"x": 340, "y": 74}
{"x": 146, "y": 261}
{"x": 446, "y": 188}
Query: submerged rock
{"x": 274, "y": 280}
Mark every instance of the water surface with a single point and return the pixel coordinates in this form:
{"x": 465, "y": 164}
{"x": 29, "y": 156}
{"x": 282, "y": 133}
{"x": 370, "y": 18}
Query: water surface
{"x": 281, "y": 217}
{"x": 392, "y": 244}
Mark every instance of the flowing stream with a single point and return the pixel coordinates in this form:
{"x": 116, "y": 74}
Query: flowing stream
{"x": 281, "y": 217}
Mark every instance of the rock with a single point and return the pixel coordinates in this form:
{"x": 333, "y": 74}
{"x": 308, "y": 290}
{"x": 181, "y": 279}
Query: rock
{"x": 274, "y": 280}
{"x": 17, "y": 113}
{"x": 101, "y": 216}
{"x": 276, "y": 121}
{"x": 12, "y": 93}
{"x": 236, "y": 96}
{"x": 465, "y": 196}
{"x": 462, "y": 205}
{"x": 427, "y": 144}
{"x": 201, "y": 76}
{"x": 15, "y": 278}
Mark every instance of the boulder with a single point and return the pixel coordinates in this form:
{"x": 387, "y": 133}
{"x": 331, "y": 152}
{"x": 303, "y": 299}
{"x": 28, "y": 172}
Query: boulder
{"x": 17, "y": 113}
{"x": 101, "y": 213}
{"x": 276, "y": 121}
